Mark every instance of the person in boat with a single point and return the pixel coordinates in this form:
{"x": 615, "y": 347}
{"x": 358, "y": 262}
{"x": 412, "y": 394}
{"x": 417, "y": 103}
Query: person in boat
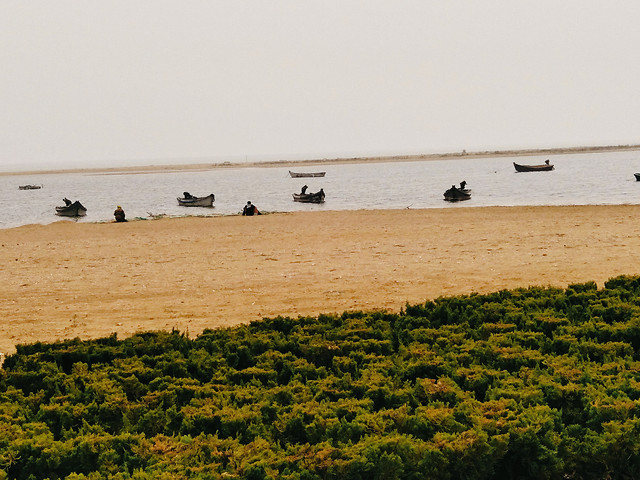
{"x": 546, "y": 161}
{"x": 463, "y": 184}
{"x": 321, "y": 192}
{"x": 187, "y": 195}
{"x": 66, "y": 201}
{"x": 304, "y": 190}
{"x": 250, "y": 210}
{"x": 119, "y": 215}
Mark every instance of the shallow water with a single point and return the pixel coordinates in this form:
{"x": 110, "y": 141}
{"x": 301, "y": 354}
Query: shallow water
{"x": 578, "y": 179}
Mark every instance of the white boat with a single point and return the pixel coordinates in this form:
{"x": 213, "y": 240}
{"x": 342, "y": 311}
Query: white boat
{"x": 191, "y": 201}
{"x": 75, "y": 209}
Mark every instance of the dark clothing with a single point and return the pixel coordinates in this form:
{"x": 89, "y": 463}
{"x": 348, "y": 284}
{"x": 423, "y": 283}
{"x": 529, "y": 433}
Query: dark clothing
{"x": 304, "y": 190}
{"x": 66, "y": 201}
{"x": 250, "y": 210}
{"x": 119, "y": 215}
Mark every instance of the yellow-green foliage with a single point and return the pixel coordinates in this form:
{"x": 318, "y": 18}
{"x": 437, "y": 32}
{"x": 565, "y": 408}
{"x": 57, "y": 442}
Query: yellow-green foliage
{"x": 530, "y": 383}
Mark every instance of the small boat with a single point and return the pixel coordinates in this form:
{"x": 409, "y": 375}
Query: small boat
{"x": 75, "y": 209}
{"x": 317, "y": 197}
{"x": 190, "y": 201}
{"x": 456, "y": 194}
{"x": 29, "y": 187}
{"x": 310, "y": 174}
{"x": 637, "y": 175}
{"x": 545, "y": 167}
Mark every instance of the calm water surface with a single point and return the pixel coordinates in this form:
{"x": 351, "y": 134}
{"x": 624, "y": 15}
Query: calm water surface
{"x": 578, "y": 179}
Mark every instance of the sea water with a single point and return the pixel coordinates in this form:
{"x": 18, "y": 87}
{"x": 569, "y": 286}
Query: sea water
{"x": 604, "y": 178}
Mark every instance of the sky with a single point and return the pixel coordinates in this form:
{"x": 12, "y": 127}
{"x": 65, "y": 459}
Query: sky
{"x": 92, "y": 83}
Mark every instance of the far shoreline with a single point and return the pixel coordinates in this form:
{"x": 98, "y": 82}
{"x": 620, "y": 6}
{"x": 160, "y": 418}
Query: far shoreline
{"x": 205, "y": 166}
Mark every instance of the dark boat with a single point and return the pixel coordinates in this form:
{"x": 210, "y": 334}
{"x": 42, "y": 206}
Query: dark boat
{"x": 457, "y": 194}
{"x": 191, "y": 201}
{"x": 637, "y": 175}
{"x": 545, "y": 167}
{"x": 75, "y": 209}
{"x": 302, "y": 174}
{"x": 317, "y": 197}
{"x": 29, "y": 187}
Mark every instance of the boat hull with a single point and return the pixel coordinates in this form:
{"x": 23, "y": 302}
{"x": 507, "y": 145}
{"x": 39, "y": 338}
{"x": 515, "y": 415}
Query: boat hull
{"x": 76, "y": 209}
{"x": 457, "y": 195}
{"x": 317, "y": 197}
{"x": 301, "y": 174}
{"x": 197, "y": 201}
{"x": 532, "y": 168}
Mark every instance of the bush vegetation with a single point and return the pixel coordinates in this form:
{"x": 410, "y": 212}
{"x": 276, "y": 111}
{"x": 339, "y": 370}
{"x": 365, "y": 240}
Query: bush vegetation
{"x": 528, "y": 383}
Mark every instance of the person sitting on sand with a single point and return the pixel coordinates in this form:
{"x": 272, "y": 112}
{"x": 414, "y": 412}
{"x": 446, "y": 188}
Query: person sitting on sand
{"x": 250, "y": 210}
{"x": 118, "y": 213}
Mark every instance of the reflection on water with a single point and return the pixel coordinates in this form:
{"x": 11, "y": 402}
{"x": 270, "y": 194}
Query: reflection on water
{"x": 578, "y": 179}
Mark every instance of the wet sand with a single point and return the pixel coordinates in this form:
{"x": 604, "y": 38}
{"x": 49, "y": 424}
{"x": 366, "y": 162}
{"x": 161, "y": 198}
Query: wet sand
{"x": 85, "y": 280}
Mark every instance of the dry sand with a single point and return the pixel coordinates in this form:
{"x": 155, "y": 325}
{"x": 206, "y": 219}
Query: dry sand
{"x": 84, "y": 280}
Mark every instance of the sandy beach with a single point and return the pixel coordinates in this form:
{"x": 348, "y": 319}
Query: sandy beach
{"x": 69, "y": 279}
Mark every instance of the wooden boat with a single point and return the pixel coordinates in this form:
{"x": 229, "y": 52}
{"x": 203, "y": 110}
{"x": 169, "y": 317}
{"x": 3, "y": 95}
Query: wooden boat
{"x": 456, "y": 194}
{"x": 310, "y": 174}
{"x": 191, "y": 201}
{"x": 75, "y": 209}
{"x": 637, "y": 175}
{"x": 545, "y": 167}
{"x": 29, "y": 187}
{"x": 317, "y": 197}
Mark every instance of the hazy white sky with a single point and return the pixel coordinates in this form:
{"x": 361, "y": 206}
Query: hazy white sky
{"x": 94, "y": 82}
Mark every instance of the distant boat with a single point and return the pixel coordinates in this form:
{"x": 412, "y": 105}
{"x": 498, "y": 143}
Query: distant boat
{"x": 545, "y": 167}
{"x": 75, "y": 209}
{"x": 317, "y": 197}
{"x": 302, "y": 174}
{"x": 29, "y": 187}
{"x": 637, "y": 175}
{"x": 191, "y": 201}
{"x": 457, "y": 194}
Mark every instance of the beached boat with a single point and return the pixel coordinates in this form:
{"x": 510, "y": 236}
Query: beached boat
{"x": 75, "y": 209}
{"x": 29, "y": 187}
{"x": 456, "y": 194}
{"x": 545, "y": 167}
{"x": 309, "y": 174}
{"x": 317, "y": 197}
{"x": 637, "y": 175}
{"x": 191, "y": 201}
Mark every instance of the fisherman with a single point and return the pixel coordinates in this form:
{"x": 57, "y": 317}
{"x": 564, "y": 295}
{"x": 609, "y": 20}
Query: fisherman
{"x": 304, "y": 190}
{"x": 250, "y": 210}
{"x": 66, "y": 201}
{"x": 463, "y": 184}
{"x": 118, "y": 213}
{"x": 187, "y": 195}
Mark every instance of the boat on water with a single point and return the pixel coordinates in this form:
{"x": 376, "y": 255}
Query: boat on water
{"x": 306, "y": 174}
{"x": 317, "y": 197}
{"x": 637, "y": 175}
{"x": 29, "y": 187}
{"x": 189, "y": 200}
{"x": 545, "y": 167}
{"x": 71, "y": 209}
{"x": 455, "y": 194}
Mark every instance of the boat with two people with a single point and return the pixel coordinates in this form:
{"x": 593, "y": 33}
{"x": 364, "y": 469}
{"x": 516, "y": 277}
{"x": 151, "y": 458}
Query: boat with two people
{"x": 308, "y": 174}
{"x": 188, "y": 200}
{"x": 71, "y": 209}
{"x": 303, "y": 197}
{"x": 455, "y": 194}
{"x": 545, "y": 167}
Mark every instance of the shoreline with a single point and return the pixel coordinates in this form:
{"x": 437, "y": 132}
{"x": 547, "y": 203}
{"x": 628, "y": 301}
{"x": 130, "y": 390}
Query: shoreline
{"x": 205, "y": 166}
{"x": 67, "y": 279}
